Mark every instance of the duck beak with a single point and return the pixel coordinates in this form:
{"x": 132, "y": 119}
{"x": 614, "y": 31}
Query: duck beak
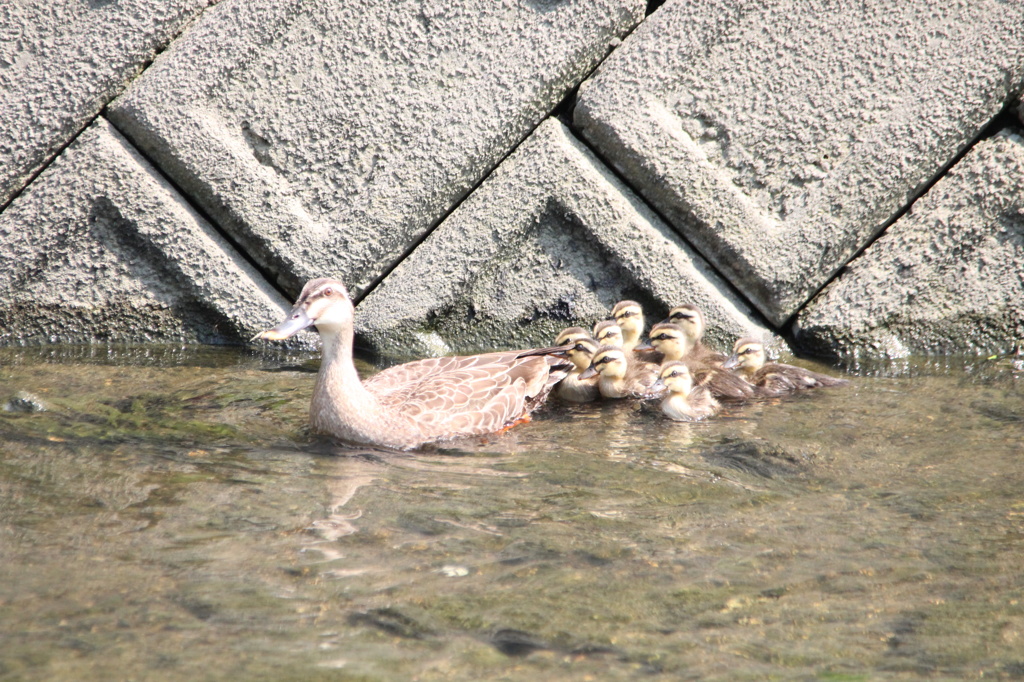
{"x": 658, "y": 385}
{"x": 733, "y": 361}
{"x": 588, "y": 372}
{"x": 296, "y": 321}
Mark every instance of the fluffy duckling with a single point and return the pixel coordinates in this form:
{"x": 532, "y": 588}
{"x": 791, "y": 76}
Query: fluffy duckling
{"x": 676, "y": 346}
{"x": 773, "y": 378}
{"x": 630, "y": 318}
{"x": 621, "y": 378}
{"x": 608, "y": 333}
{"x": 690, "y": 319}
{"x": 572, "y": 388}
{"x": 571, "y": 335}
{"x": 684, "y": 402}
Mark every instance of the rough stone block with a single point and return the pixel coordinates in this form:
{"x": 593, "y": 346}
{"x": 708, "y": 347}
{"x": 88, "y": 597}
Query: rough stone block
{"x": 327, "y": 137}
{"x": 61, "y": 61}
{"x": 551, "y": 239}
{"x": 780, "y": 137}
{"x": 948, "y": 277}
{"x": 100, "y": 248}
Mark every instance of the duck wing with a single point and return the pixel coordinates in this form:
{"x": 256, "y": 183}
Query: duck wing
{"x": 469, "y": 395}
{"x": 777, "y": 378}
{"x": 723, "y": 384}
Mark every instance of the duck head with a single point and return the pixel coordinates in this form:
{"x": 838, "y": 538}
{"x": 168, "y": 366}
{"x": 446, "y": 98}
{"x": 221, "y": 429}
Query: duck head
{"x": 671, "y": 340}
{"x": 747, "y": 356}
{"x": 690, "y": 319}
{"x": 582, "y": 353}
{"x": 676, "y": 377}
{"x": 571, "y": 335}
{"x": 609, "y": 362}
{"x": 324, "y": 303}
{"x": 630, "y": 318}
{"x": 608, "y": 333}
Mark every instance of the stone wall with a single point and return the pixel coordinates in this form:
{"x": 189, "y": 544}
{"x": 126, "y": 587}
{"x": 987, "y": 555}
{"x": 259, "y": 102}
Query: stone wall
{"x": 482, "y": 173}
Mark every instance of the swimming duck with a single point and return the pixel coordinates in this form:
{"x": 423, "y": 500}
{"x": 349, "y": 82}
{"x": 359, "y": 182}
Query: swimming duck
{"x": 773, "y": 378}
{"x": 630, "y": 318}
{"x": 690, "y": 319}
{"x": 675, "y": 345}
{"x": 621, "y": 378}
{"x": 420, "y": 402}
{"x": 684, "y": 402}
{"x": 572, "y": 388}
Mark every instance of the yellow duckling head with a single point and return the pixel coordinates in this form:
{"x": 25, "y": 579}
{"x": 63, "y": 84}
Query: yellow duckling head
{"x": 582, "y": 353}
{"x": 571, "y": 335}
{"x": 690, "y": 319}
{"x": 671, "y": 340}
{"x": 747, "y": 356}
{"x": 676, "y": 377}
{"x": 608, "y": 333}
{"x": 630, "y": 318}
{"x": 609, "y": 362}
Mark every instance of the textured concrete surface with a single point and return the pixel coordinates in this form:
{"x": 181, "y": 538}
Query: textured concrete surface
{"x": 780, "y": 137}
{"x": 550, "y": 240}
{"x": 328, "y": 137}
{"x": 100, "y": 248}
{"x": 948, "y": 277}
{"x": 61, "y": 61}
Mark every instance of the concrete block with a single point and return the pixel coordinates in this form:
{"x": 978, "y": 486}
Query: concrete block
{"x": 780, "y": 137}
{"x": 100, "y": 248}
{"x": 550, "y": 240}
{"x": 328, "y": 136}
{"x": 61, "y": 61}
{"x": 947, "y": 277}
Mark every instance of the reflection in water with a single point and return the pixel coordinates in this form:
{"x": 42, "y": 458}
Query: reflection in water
{"x": 167, "y": 515}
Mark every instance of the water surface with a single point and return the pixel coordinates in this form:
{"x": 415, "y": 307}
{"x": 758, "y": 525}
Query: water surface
{"x": 164, "y": 514}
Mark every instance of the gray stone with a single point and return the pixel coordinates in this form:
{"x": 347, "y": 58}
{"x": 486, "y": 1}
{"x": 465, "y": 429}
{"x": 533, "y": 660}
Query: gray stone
{"x": 61, "y": 61}
{"x": 551, "y": 239}
{"x": 780, "y": 137}
{"x": 948, "y": 277}
{"x": 328, "y": 137}
{"x": 100, "y": 248}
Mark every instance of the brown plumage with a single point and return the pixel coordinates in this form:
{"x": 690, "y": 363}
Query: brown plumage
{"x": 684, "y": 401}
{"x": 676, "y": 346}
{"x": 690, "y": 319}
{"x": 420, "y": 402}
{"x": 774, "y": 378}
{"x": 571, "y": 335}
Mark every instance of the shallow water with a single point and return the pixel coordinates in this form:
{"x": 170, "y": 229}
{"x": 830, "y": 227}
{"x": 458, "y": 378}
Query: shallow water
{"x": 167, "y": 516}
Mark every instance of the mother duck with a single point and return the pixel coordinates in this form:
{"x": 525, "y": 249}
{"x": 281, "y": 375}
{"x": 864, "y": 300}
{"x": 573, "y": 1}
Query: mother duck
{"x": 425, "y": 401}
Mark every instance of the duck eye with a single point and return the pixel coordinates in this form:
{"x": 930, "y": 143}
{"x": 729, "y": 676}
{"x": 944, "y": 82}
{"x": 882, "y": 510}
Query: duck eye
{"x": 328, "y": 292}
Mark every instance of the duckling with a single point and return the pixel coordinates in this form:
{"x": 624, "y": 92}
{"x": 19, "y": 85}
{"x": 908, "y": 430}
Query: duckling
{"x": 690, "y": 319}
{"x": 608, "y": 333}
{"x": 572, "y": 388}
{"x": 773, "y": 378}
{"x": 420, "y": 402}
{"x": 619, "y": 377}
{"x": 684, "y": 402}
{"x": 675, "y": 345}
{"x": 630, "y": 318}
{"x": 571, "y": 335}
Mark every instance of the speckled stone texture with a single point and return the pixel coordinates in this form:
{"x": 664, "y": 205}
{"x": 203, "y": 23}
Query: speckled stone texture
{"x": 551, "y": 239}
{"x": 948, "y": 277}
{"x": 779, "y": 137}
{"x": 100, "y": 248}
{"x": 61, "y": 61}
{"x": 328, "y": 137}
